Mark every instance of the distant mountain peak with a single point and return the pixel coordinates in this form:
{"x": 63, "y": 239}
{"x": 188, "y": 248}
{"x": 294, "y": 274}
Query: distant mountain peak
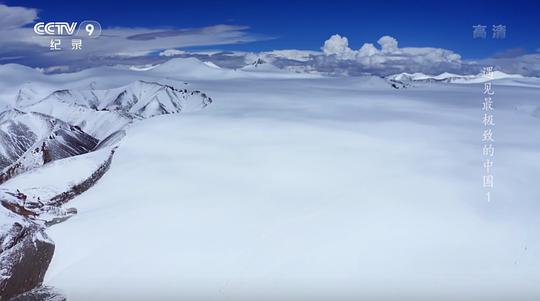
{"x": 449, "y": 77}
{"x": 132, "y": 99}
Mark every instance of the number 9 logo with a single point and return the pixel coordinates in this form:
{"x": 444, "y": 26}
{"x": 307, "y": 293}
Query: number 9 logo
{"x": 89, "y": 29}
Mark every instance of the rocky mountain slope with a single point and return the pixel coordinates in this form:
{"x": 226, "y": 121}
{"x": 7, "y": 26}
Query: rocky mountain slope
{"x": 29, "y": 140}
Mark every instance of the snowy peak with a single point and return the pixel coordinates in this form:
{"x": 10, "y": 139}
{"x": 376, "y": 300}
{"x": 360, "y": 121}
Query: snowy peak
{"x": 26, "y": 95}
{"x": 29, "y": 140}
{"x": 448, "y": 77}
{"x": 102, "y": 113}
{"x": 421, "y": 77}
{"x": 148, "y": 99}
{"x": 258, "y": 62}
{"x": 261, "y": 65}
{"x": 188, "y": 67}
{"x": 81, "y": 98}
{"x": 138, "y": 99}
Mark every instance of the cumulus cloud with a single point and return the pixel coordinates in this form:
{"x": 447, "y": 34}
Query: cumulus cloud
{"x": 15, "y": 16}
{"x": 389, "y": 58}
{"x": 338, "y": 46}
{"x": 367, "y": 50}
{"x": 388, "y": 44}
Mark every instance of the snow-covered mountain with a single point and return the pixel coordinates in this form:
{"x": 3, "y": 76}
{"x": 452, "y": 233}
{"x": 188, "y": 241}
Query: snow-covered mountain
{"x": 28, "y": 94}
{"x": 138, "y": 99}
{"x": 448, "y": 77}
{"x": 191, "y": 68}
{"x": 72, "y": 122}
{"x": 40, "y": 132}
{"x": 104, "y": 112}
{"x": 29, "y": 140}
{"x": 29, "y": 204}
{"x": 421, "y": 77}
{"x": 261, "y": 65}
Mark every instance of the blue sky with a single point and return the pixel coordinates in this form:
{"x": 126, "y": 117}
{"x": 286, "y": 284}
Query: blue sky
{"x": 306, "y": 24}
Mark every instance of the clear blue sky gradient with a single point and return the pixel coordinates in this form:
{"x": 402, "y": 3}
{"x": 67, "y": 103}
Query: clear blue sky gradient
{"x": 306, "y": 24}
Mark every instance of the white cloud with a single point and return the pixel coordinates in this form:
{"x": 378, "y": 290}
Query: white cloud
{"x": 388, "y": 44}
{"x": 116, "y": 41}
{"x": 367, "y": 50}
{"x": 389, "y": 55}
{"x": 15, "y": 16}
{"x": 527, "y": 64}
{"x": 293, "y": 54}
{"x": 338, "y": 46}
{"x": 172, "y": 52}
{"x": 134, "y": 53}
{"x": 117, "y": 44}
{"x": 113, "y": 46}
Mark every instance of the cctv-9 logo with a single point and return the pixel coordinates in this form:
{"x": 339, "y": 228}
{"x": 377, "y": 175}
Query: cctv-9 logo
{"x": 87, "y": 29}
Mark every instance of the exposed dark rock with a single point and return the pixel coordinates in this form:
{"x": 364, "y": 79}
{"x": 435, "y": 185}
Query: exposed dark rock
{"x": 18, "y": 209}
{"x": 12, "y": 236}
{"x": 9, "y": 172}
{"x": 25, "y": 263}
